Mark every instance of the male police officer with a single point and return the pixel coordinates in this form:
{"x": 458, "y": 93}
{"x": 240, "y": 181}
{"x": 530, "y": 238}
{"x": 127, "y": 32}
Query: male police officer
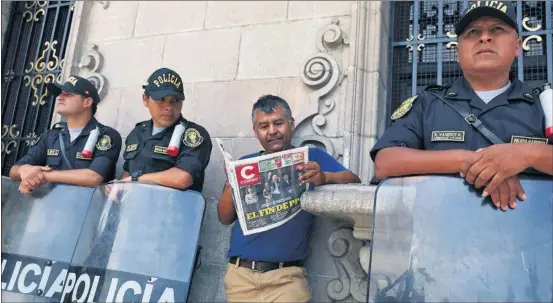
{"x": 268, "y": 266}
{"x": 146, "y": 154}
{"x": 449, "y": 129}
{"x": 58, "y": 155}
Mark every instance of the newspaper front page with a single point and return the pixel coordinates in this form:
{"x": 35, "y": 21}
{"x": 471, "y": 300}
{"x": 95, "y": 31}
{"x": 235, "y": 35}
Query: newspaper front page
{"x": 266, "y": 189}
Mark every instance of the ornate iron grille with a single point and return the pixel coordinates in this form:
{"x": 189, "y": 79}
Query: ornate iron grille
{"x": 423, "y": 45}
{"x": 32, "y": 56}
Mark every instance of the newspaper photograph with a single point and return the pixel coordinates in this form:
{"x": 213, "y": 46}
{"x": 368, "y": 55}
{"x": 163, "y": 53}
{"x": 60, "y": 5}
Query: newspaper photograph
{"x": 266, "y": 189}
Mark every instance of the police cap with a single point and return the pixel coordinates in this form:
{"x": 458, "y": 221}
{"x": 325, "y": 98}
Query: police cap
{"x": 164, "y": 82}
{"x": 503, "y": 10}
{"x": 75, "y": 85}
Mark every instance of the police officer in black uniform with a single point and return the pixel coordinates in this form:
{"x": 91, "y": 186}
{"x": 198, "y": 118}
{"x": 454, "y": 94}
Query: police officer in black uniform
{"x": 60, "y": 156}
{"x": 458, "y": 128}
{"x": 149, "y": 156}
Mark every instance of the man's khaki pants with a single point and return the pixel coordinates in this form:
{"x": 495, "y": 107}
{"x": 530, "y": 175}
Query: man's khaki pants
{"x": 288, "y": 284}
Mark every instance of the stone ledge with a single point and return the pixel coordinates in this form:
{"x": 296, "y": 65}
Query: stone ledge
{"x": 351, "y": 202}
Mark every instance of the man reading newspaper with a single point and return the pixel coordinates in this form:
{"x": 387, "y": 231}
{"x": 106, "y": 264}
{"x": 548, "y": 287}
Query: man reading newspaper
{"x": 249, "y": 181}
{"x": 268, "y": 266}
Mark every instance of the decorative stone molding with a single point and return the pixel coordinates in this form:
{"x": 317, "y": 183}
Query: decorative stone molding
{"x": 353, "y": 279}
{"x": 92, "y": 60}
{"x": 322, "y": 73}
{"x": 352, "y": 203}
{"x": 316, "y": 140}
{"x": 105, "y": 4}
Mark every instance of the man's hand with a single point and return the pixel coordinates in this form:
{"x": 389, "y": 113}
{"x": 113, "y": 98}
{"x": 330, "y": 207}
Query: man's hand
{"x": 497, "y": 163}
{"x": 312, "y": 173}
{"x": 507, "y": 193}
{"x": 32, "y": 177}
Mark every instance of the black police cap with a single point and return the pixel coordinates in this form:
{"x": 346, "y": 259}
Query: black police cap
{"x": 76, "y": 85}
{"x": 164, "y": 82}
{"x": 503, "y": 10}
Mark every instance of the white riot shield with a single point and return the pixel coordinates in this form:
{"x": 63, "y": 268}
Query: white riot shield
{"x": 138, "y": 244}
{"x": 437, "y": 240}
{"x": 39, "y": 235}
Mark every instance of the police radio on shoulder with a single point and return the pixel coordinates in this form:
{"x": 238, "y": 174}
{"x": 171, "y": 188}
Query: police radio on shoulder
{"x": 546, "y": 101}
{"x": 174, "y": 144}
{"x": 90, "y": 143}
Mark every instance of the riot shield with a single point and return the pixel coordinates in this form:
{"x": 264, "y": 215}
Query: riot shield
{"x": 39, "y": 234}
{"x": 437, "y": 240}
{"x": 138, "y": 244}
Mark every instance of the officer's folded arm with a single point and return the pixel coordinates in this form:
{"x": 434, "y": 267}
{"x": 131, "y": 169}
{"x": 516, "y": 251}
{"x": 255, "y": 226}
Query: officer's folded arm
{"x": 541, "y": 157}
{"x": 173, "y": 177}
{"x": 82, "y": 177}
{"x": 402, "y": 161}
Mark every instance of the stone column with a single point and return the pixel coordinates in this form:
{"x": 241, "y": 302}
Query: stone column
{"x": 6, "y": 11}
{"x": 367, "y": 85}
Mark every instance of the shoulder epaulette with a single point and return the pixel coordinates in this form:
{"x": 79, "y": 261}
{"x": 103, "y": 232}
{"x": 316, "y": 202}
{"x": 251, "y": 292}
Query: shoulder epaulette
{"x": 141, "y": 123}
{"x": 59, "y": 125}
{"x": 436, "y": 88}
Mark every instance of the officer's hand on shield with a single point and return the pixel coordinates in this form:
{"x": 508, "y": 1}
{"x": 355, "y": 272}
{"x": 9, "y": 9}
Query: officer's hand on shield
{"x": 32, "y": 177}
{"x": 496, "y": 168}
{"x": 495, "y": 164}
{"x": 116, "y": 191}
{"x": 507, "y": 192}
{"x": 25, "y": 188}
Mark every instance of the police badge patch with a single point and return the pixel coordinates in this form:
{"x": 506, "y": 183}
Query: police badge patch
{"x": 404, "y": 108}
{"x": 104, "y": 143}
{"x": 192, "y": 138}
{"x": 131, "y": 147}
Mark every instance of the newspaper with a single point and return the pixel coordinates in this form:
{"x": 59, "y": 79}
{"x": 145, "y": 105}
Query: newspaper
{"x": 266, "y": 189}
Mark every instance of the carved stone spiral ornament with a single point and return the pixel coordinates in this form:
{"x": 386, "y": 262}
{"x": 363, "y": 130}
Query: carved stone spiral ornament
{"x": 92, "y": 61}
{"x": 322, "y": 73}
{"x": 352, "y": 278}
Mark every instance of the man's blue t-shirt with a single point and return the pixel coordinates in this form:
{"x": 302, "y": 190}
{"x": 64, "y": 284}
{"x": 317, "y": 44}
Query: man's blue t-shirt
{"x": 289, "y": 241}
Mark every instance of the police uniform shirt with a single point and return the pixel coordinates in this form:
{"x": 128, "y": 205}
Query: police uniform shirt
{"x": 47, "y": 151}
{"x": 426, "y": 122}
{"x": 148, "y": 153}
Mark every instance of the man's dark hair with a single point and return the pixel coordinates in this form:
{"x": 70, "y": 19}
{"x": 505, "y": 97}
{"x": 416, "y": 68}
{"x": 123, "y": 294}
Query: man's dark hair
{"x": 269, "y": 104}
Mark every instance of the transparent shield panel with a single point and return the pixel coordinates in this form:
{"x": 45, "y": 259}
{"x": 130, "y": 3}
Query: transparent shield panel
{"x": 39, "y": 235}
{"x": 437, "y": 240}
{"x": 138, "y": 243}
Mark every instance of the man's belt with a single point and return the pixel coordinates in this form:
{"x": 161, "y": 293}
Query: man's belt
{"x": 263, "y": 266}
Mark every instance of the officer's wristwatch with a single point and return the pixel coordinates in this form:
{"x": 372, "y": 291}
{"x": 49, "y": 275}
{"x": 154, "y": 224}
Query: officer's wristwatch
{"x": 135, "y": 175}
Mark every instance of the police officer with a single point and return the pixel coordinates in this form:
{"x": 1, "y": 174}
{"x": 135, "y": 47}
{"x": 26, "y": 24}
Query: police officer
{"x": 81, "y": 151}
{"x": 167, "y": 149}
{"x": 451, "y": 128}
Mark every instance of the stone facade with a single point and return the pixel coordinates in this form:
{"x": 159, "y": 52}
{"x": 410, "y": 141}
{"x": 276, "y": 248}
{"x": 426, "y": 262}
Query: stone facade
{"x": 328, "y": 59}
{"x": 6, "y": 9}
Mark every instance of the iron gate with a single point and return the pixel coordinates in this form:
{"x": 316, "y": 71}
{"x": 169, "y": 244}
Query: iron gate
{"x": 423, "y": 45}
{"x": 32, "y": 56}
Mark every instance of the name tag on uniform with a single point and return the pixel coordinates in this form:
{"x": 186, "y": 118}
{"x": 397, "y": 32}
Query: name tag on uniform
{"x": 522, "y": 139}
{"x": 53, "y": 152}
{"x": 131, "y": 147}
{"x": 448, "y": 135}
{"x": 160, "y": 150}
{"x": 80, "y": 156}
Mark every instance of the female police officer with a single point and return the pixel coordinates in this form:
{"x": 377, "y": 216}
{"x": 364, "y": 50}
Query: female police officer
{"x": 148, "y": 154}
